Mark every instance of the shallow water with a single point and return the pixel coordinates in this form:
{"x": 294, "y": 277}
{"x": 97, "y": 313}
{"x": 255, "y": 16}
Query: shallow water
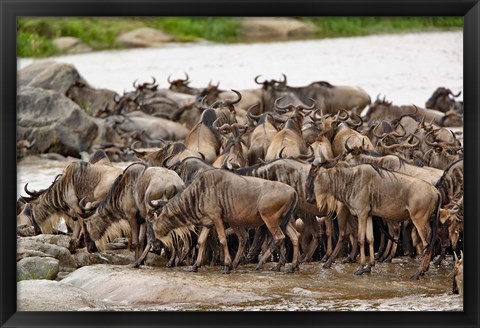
{"x": 406, "y": 68}
{"x": 387, "y": 288}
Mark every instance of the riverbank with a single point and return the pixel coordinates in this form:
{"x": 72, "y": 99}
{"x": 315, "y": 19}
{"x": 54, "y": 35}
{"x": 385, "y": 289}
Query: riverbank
{"x": 36, "y": 36}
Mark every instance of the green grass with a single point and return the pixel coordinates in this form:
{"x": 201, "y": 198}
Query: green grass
{"x": 35, "y": 35}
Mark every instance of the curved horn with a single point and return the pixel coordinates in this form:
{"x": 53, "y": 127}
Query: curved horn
{"x": 281, "y": 152}
{"x": 382, "y": 143}
{"x": 187, "y": 78}
{"x": 284, "y": 79}
{"x": 134, "y": 84}
{"x": 428, "y": 142}
{"x": 397, "y": 134}
{"x": 256, "y": 80}
{"x": 168, "y": 79}
{"x": 454, "y": 95}
{"x": 33, "y": 193}
{"x": 231, "y": 102}
{"x": 164, "y": 162}
{"x": 360, "y": 120}
{"x": 345, "y": 144}
{"x": 407, "y": 144}
{"x": 278, "y": 108}
{"x": 252, "y": 116}
{"x": 153, "y": 81}
{"x": 375, "y": 133}
{"x": 342, "y": 118}
{"x": 314, "y": 103}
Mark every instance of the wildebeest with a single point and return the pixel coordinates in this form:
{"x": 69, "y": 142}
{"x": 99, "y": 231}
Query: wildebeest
{"x": 124, "y": 209}
{"x": 440, "y": 100}
{"x": 203, "y": 138}
{"x": 369, "y": 190}
{"x": 79, "y": 180}
{"x": 224, "y": 197}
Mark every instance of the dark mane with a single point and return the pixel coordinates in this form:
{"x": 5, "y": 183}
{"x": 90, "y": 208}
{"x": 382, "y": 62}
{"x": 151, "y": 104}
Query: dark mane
{"x": 98, "y": 156}
{"x": 324, "y": 84}
{"x": 208, "y": 118}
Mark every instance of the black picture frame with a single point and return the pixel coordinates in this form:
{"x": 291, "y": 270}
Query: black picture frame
{"x": 9, "y": 9}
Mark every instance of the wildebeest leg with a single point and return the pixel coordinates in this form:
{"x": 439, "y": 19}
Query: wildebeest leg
{"x": 293, "y": 235}
{"x": 369, "y": 234}
{"x": 312, "y": 227}
{"x": 342, "y": 218}
{"x": 201, "y": 249}
{"x": 222, "y": 238}
{"x": 77, "y": 229}
{"x": 142, "y": 235}
{"x": 362, "y": 229}
{"x": 396, "y": 235}
{"x": 424, "y": 231}
{"x": 89, "y": 243}
{"x": 142, "y": 257}
{"x": 329, "y": 233}
{"x": 382, "y": 247}
{"x": 278, "y": 238}
{"x": 173, "y": 256}
{"x": 257, "y": 242}
{"x": 416, "y": 241}
{"x": 242, "y": 241}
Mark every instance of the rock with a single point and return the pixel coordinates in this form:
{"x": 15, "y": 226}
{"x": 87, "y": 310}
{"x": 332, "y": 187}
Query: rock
{"x": 144, "y": 37}
{"x": 54, "y": 121}
{"x": 83, "y": 258}
{"x": 59, "y": 240}
{"x": 37, "y": 268}
{"x": 116, "y": 246}
{"x": 46, "y": 295}
{"x": 155, "y": 260}
{"x": 71, "y": 45}
{"x": 50, "y": 75}
{"x": 65, "y": 79}
{"x": 25, "y": 231}
{"x": 28, "y": 246}
{"x": 268, "y": 28}
{"x": 144, "y": 286}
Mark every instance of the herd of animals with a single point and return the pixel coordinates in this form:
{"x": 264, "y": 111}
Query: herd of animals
{"x": 276, "y": 173}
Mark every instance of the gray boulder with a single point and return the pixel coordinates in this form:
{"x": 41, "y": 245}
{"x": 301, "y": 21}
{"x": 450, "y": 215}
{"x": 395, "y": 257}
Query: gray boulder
{"x": 46, "y": 295}
{"x": 37, "y": 268}
{"x": 144, "y": 37}
{"x": 54, "y": 121}
{"x": 71, "y": 45}
{"x": 65, "y": 79}
{"x": 268, "y": 28}
{"x": 28, "y": 247}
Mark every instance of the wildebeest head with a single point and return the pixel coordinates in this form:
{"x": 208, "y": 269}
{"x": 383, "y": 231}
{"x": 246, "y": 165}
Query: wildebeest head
{"x": 442, "y": 99}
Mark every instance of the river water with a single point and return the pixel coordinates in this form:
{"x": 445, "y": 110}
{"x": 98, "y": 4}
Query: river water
{"x": 406, "y": 68}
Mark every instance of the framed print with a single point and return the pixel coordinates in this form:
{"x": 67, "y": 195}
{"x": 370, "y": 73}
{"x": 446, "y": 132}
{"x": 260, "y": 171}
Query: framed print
{"x": 229, "y": 163}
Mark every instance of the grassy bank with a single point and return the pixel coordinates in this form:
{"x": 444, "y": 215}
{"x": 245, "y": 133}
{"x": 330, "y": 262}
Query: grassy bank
{"x": 35, "y": 35}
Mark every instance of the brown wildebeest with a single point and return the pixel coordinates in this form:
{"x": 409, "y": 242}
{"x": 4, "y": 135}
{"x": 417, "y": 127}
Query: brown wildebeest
{"x": 458, "y": 274}
{"x": 440, "y": 100}
{"x": 224, "y": 197}
{"x": 369, "y": 190}
{"x": 90, "y": 180}
{"x": 124, "y": 209}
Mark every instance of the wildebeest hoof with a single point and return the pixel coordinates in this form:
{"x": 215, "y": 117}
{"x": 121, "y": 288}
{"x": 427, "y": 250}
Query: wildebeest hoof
{"x": 259, "y": 266}
{"x": 327, "y": 265}
{"x": 347, "y": 260}
{"x": 416, "y": 276}
{"x": 226, "y": 270}
{"x": 170, "y": 264}
{"x": 363, "y": 269}
{"x": 276, "y": 268}
{"x": 289, "y": 269}
{"x": 193, "y": 268}
{"x": 136, "y": 264}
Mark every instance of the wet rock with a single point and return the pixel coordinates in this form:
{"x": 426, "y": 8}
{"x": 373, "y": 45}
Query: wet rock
{"x": 144, "y": 37}
{"x": 146, "y": 286}
{"x": 37, "y": 268}
{"x": 71, "y": 45}
{"x": 28, "y": 246}
{"x": 54, "y": 121}
{"x": 45, "y": 295}
{"x": 267, "y": 28}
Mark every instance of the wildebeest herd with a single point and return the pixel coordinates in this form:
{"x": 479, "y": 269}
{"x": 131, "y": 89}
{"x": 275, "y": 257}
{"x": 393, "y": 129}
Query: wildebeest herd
{"x": 218, "y": 174}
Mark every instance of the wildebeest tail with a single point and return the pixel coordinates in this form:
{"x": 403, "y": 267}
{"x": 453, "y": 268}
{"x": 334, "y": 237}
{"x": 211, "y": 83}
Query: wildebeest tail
{"x": 434, "y": 223}
{"x": 383, "y": 228}
{"x": 288, "y": 214}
